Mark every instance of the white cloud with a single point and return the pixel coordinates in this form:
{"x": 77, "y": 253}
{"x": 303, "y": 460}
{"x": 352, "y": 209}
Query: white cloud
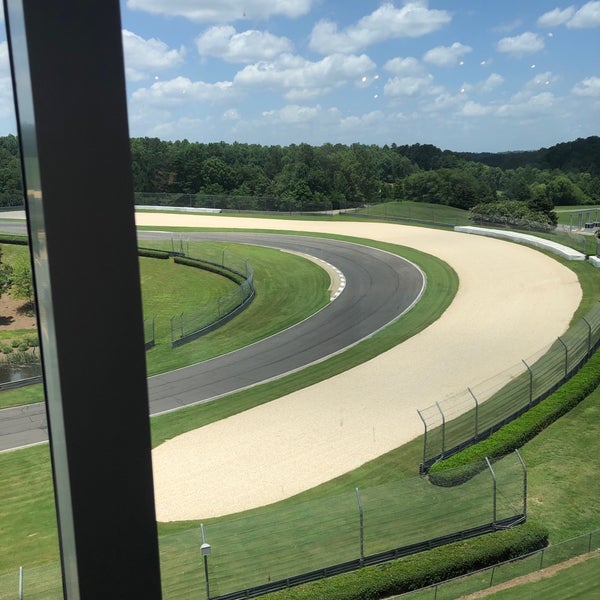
{"x": 232, "y": 115}
{"x": 409, "y": 86}
{"x": 180, "y": 91}
{"x": 484, "y": 87}
{"x": 301, "y": 78}
{"x": 293, "y": 114}
{"x": 586, "y": 17}
{"x": 145, "y": 57}
{"x": 518, "y": 45}
{"x": 556, "y": 17}
{"x": 368, "y": 120}
{"x": 531, "y": 107}
{"x": 222, "y": 11}
{"x": 446, "y": 56}
{"x": 246, "y": 47}
{"x": 474, "y": 109}
{"x": 404, "y": 66}
{"x": 414, "y": 19}
{"x": 590, "y": 86}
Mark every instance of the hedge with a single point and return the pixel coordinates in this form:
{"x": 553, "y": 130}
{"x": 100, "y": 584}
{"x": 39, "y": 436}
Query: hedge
{"x": 423, "y": 569}
{"x": 461, "y": 466}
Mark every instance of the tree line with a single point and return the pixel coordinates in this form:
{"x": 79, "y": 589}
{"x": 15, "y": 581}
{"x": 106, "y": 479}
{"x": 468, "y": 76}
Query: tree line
{"x": 301, "y": 177}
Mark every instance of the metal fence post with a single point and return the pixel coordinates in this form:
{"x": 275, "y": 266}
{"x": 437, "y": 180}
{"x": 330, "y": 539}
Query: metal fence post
{"x": 530, "y": 381}
{"x": 524, "y": 482}
{"x": 589, "y": 334}
{"x": 443, "y": 428}
{"x": 424, "y": 436}
{"x": 476, "y": 411}
{"x": 495, "y": 485}
{"x": 566, "y": 355}
{"x": 20, "y": 583}
{"x": 362, "y": 526}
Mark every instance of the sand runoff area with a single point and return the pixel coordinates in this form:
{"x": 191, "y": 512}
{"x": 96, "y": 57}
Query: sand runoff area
{"x": 512, "y": 302}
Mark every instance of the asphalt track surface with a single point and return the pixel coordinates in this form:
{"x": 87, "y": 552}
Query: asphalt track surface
{"x": 379, "y": 288}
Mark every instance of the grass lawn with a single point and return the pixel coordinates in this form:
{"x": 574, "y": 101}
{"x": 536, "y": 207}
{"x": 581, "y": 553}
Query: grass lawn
{"x": 560, "y": 463}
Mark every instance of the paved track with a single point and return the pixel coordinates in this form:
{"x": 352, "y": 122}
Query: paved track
{"x": 379, "y": 288}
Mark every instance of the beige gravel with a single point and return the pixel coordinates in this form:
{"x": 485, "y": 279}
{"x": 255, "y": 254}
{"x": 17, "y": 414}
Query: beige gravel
{"x": 512, "y": 301}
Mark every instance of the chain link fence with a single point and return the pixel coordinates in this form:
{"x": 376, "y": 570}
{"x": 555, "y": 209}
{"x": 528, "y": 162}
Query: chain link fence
{"x": 192, "y": 324}
{"x": 474, "y": 414}
{"x": 290, "y": 543}
{"x": 509, "y": 570}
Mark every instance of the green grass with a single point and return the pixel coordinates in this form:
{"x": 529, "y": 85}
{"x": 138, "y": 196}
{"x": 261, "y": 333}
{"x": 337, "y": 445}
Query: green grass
{"x": 289, "y": 288}
{"x": 579, "y": 582}
{"x": 439, "y": 293}
{"x": 558, "y": 464}
{"x": 434, "y": 214}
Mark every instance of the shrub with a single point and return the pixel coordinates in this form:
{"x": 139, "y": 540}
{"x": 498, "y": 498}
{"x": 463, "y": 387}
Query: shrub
{"x": 425, "y": 568}
{"x": 463, "y": 465}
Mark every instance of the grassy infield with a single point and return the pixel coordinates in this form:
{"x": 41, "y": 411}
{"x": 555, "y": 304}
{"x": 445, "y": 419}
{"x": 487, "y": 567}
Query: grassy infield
{"x": 563, "y": 486}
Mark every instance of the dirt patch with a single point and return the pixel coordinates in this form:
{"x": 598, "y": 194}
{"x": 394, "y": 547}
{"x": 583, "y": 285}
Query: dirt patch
{"x": 530, "y": 577}
{"x": 16, "y": 314}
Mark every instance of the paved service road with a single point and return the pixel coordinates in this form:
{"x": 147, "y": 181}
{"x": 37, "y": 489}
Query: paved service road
{"x": 379, "y": 288}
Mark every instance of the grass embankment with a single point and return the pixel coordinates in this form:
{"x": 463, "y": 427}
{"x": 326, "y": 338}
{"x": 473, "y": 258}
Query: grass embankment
{"x": 29, "y": 536}
{"x": 551, "y": 498}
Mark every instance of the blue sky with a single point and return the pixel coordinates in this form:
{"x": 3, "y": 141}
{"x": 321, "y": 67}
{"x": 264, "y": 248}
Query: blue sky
{"x": 464, "y": 75}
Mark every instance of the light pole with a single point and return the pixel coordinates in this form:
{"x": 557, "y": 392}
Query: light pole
{"x": 205, "y": 551}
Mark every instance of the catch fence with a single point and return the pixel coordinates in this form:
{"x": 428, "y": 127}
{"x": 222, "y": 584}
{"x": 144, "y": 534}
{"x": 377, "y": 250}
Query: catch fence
{"x": 473, "y": 415}
{"x": 192, "y": 324}
{"x": 269, "y": 548}
{"x": 483, "y": 579}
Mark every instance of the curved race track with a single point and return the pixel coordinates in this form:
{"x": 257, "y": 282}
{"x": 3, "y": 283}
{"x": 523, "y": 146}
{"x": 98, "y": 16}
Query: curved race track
{"x": 379, "y": 288}
{"x": 512, "y": 302}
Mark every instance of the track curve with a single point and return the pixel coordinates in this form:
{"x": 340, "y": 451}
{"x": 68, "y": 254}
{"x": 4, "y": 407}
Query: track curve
{"x": 380, "y": 287}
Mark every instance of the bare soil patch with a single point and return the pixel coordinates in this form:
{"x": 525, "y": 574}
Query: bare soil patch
{"x": 16, "y": 314}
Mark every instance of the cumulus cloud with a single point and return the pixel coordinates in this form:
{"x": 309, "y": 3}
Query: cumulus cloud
{"x": 446, "y": 56}
{"x": 556, "y": 17}
{"x": 300, "y": 78}
{"x": 145, "y": 57}
{"x": 414, "y": 19}
{"x": 223, "y": 11}
{"x": 180, "y": 91}
{"x": 293, "y": 114}
{"x": 588, "y": 87}
{"x": 526, "y": 43}
{"x": 586, "y": 17}
{"x": 474, "y": 109}
{"x": 484, "y": 87}
{"x": 249, "y": 46}
{"x": 409, "y": 86}
{"x": 529, "y": 107}
{"x": 403, "y": 66}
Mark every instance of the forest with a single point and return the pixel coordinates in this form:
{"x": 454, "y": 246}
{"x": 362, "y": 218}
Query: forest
{"x": 301, "y": 177}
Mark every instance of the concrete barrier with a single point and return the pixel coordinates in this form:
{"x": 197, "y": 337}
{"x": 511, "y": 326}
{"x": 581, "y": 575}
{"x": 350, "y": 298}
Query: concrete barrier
{"x": 524, "y": 238}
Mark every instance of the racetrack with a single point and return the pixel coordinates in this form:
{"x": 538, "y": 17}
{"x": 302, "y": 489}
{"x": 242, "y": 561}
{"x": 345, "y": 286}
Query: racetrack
{"x": 512, "y": 301}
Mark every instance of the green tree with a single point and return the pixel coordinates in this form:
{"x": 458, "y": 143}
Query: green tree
{"x": 6, "y": 275}
{"x": 22, "y": 281}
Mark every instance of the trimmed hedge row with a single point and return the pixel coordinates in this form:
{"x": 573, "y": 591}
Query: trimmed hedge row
{"x": 153, "y": 253}
{"x": 213, "y": 268}
{"x": 424, "y": 569}
{"x": 14, "y": 238}
{"x": 465, "y": 464}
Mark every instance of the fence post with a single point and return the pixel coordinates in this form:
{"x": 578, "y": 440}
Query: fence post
{"x": 566, "y": 355}
{"x": 495, "y": 485}
{"x": 530, "y": 382}
{"x": 362, "y": 529}
{"x": 476, "y": 411}
{"x": 443, "y": 428}
{"x": 589, "y": 335}
{"x": 20, "y": 583}
{"x": 524, "y": 481}
{"x": 424, "y": 439}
